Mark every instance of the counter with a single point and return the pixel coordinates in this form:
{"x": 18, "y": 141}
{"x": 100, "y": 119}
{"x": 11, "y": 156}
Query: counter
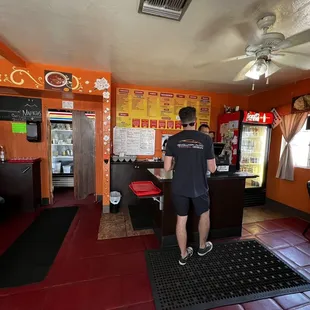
{"x": 226, "y": 211}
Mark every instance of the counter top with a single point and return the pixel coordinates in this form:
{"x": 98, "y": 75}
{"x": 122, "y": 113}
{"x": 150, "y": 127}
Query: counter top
{"x": 164, "y": 176}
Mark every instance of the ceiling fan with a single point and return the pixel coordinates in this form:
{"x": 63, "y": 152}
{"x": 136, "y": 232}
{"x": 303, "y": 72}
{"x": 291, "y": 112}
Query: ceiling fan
{"x": 269, "y": 52}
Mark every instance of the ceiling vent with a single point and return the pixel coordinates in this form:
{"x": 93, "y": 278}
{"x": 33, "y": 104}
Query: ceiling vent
{"x": 170, "y": 9}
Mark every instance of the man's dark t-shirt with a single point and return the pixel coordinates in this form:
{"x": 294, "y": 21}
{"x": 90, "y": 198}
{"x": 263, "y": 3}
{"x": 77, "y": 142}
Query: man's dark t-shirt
{"x": 191, "y": 149}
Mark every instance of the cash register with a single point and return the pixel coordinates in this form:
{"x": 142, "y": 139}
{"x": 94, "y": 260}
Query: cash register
{"x": 222, "y": 159}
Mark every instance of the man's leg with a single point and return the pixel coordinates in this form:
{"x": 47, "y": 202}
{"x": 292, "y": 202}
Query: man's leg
{"x": 202, "y": 207}
{"x": 182, "y": 234}
{"x": 181, "y": 205}
{"x": 204, "y": 228}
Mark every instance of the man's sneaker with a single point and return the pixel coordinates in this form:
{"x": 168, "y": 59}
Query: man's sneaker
{"x": 183, "y": 260}
{"x": 207, "y": 249}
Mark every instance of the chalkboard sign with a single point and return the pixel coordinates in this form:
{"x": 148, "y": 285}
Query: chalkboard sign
{"x": 20, "y": 109}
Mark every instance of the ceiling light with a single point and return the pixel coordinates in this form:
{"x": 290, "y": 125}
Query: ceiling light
{"x": 258, "y": 69}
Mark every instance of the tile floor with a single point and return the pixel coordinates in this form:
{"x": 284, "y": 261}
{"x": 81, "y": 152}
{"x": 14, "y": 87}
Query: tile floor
{"x": 91, "y": 274}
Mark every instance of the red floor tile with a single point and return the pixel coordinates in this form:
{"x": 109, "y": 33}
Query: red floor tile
{"x": 270, "y": 226}
{"x": 136, "y": 289}
{"x": 264, "y": 304}
{"x": 254, "y": 228}
{"x": 69, "y": 272}
{"x": 293, "y": 224}
{"x": 110, "y": 247}
{"x": 293, "y": 300}
{"x": 304, "y": 307}
{"x": 290, "y": 237}
{"x": 273, "y": 241}
{"x": 143, "y": 306}
{"x": 151, "y": 242}
{"x": 298, "y": 257}
{"x": 67, "y": 297}
{"x": 305, "y": 247}
{"x": 105, "y": 294}
{"x": 30, "y": 300}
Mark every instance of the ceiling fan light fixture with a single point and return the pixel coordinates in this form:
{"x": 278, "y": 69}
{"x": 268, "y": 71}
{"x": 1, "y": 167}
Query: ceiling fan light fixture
{"x": 258, "y": 69}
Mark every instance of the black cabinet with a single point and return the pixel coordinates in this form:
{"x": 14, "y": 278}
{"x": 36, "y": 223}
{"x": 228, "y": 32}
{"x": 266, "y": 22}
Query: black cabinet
{"x": 123, "y": 173}
{"x": 20, "y": 185}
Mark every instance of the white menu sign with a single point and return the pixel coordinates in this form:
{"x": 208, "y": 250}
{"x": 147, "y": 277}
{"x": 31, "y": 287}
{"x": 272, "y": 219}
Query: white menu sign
{"x": 133, "y": 141}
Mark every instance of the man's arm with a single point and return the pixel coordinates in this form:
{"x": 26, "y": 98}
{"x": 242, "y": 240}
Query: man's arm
{"x": 168, "y": 161}
{"x": 210, "y": 156}
{"x": 211, "y": 165}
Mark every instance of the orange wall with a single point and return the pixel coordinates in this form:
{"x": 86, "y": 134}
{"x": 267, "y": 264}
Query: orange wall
{"x": 293, "y": 194}
{"x": 217, "y": 106}
{"x": 16, "y": 145}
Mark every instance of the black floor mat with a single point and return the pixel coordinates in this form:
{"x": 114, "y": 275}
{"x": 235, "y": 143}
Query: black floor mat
{"x": 232, "y": 273}
{"x": 140, "y": 217}
{"x": 30, "y": 257}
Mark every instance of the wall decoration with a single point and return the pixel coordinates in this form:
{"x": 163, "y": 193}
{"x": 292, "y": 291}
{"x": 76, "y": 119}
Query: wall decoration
{"x": 277, "y": 119}
{"x": 17, "y": 78}
{"x": 33, "y": 77}
{"x": 301, "y": 104}
{"x": 159, "y": 110}
{"x": 59, "y": 81}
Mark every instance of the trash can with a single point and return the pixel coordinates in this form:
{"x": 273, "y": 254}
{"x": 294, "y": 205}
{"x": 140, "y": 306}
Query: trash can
{"x": 115, "y": 201}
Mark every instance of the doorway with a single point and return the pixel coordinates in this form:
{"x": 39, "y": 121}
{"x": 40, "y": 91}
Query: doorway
{"x": 72, "y": 156}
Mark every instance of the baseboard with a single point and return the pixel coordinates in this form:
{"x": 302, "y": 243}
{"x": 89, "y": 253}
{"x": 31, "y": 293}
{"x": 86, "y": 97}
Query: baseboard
{"x": 294, "y": 212}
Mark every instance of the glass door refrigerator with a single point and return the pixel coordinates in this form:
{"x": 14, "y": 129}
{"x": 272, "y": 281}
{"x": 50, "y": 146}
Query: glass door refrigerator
{"x": 61, "y": 149}
{"x": 254, "y": 152}
{"x": 250, "y": 149}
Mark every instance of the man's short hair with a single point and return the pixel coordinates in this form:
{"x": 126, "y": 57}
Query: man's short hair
{"x": 187, "y": 115}
{"x": 203, "y": 126}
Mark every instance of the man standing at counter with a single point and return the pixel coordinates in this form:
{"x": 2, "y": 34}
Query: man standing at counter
{"x": 204, "y": 128}
{"x": 190, "y": 153}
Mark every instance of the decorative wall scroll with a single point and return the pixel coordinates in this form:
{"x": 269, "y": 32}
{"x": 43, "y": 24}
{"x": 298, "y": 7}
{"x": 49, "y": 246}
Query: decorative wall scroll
{"x": 35, "y": 75}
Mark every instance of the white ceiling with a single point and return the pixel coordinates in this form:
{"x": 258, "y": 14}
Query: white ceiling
{"x": 109, "y": 35}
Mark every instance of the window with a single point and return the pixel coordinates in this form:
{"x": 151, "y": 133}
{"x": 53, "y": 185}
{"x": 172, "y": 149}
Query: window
{"x": 300, "y": 148}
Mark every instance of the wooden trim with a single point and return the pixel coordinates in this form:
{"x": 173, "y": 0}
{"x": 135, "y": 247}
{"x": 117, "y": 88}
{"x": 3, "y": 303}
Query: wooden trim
{"x": 10, "y": 55}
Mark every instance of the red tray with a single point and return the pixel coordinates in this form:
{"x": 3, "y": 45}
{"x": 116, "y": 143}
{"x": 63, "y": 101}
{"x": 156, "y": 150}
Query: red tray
{"x": 144, "y": 188}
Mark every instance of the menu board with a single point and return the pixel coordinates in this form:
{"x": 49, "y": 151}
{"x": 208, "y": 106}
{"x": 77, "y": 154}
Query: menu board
{"x": 20, "y": 109}
{"x": 133, "y": 141}
{"x": 157, "y": 110}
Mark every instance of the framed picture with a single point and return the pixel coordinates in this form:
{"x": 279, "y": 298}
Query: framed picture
{"x": 301, "y": 104}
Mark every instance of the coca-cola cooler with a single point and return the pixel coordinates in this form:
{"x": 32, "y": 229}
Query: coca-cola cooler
{"x": 247, "y": 135}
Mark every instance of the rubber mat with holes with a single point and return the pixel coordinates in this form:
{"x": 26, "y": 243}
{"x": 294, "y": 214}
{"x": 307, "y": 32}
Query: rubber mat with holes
{"x": 234, "y": 272}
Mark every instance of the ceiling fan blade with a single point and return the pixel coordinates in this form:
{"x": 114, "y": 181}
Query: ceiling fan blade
{"x": 236, "y": 58}
{"x": 223, "y": 61}
{"x": 294, "y": 40}
{"x": 293, "y": 60}
{"x": 241, "y": 75}
{"x": 271, "y": 69}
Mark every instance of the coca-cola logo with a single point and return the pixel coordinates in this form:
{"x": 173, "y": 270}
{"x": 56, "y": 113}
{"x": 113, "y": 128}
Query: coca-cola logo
{"x": 252, "y": 117}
